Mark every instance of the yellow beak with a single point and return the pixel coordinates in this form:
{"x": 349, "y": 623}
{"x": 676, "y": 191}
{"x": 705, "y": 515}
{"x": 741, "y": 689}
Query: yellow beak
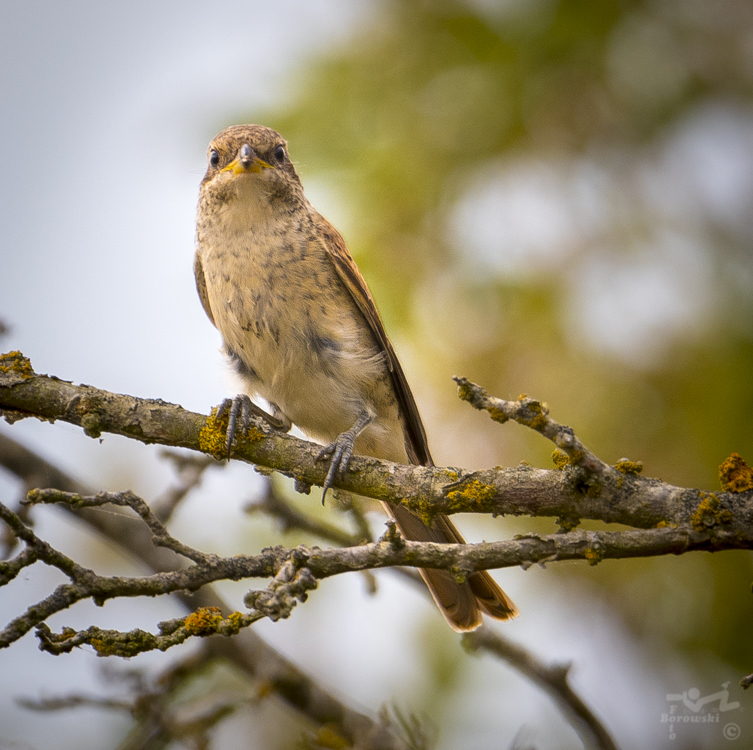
{"x": 246, "y": 161}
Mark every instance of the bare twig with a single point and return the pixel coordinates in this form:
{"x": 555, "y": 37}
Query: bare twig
{"x": 190, "y": 470}
{"x": 533, "y": 414}
{"x": 550, "y": 678}
{"x": 247, "y": 651}
{"x": 127, "y": 499}
{"x": 273, "y": 504}
{"x": 75, "y": 701}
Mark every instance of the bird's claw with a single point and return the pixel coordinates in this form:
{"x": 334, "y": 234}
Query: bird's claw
{"x": 239, "y": 418}
{"x": 341, "y": 451}
{"x": 240, "y": 410}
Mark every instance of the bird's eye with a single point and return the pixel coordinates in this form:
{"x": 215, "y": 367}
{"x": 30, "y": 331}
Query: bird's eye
{"x": 280, "y": 154}
{"x": 214, "y": 158}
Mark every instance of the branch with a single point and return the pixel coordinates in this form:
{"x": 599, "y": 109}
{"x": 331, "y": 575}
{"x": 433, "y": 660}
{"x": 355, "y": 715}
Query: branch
{"x": 551, "y": 679}
{"x": 390, "y": 551}
{"x": 160, "y": 535}
{"x": 585, "y": 488}
{"x": 289, "y": 517}
{"x": 247, "y": 651}
{"x": 533, "y": 414}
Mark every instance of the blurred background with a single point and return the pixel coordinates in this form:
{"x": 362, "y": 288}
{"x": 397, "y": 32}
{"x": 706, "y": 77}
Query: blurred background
{"x": 548, "y": 197}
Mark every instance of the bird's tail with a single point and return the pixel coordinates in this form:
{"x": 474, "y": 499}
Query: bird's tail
{"x": 461, "y": 604}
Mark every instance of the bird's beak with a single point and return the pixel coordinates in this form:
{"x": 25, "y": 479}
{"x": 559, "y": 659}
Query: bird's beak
{"x": 246, "y": 161}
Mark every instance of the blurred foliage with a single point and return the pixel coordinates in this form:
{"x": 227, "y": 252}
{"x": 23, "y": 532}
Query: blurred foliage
{"x": 555, "y": 198}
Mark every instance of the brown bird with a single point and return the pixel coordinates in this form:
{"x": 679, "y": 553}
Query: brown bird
{"x": 302, "y": 330}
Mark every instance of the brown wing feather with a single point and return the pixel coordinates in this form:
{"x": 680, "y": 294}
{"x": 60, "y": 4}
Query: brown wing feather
{"x": 461, "y": 605}
{"x": 201, "y": 287}
{"x": 416, "y": 442}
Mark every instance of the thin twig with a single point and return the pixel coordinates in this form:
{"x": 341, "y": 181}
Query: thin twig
{"x": 533, "y": 414}
{"x": 550, "y": 678}
{"x": 160, "y": 536}
{"x": 74, "y": 701}
{"x": 247, "y": 651}
{"x": 273, "y": 504}
{"x": 190, "y": 469}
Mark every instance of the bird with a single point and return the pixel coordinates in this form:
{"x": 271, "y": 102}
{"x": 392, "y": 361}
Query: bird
{"x": 302, "y": 330}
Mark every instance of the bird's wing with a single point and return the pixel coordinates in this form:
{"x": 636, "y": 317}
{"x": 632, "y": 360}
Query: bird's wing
{"x": 416, "y": 443}
{"x": 201, "y": 287}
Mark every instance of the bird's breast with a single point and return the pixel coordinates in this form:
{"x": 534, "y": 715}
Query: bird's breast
{"x": 290, "y": 327}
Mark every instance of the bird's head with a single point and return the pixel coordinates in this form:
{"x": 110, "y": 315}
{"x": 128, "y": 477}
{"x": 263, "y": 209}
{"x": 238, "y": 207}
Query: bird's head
{"x": 249, "y": 163}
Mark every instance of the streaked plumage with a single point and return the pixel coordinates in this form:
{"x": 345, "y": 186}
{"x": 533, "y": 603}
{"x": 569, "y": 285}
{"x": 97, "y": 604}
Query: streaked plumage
{"x": 302, "y": 329}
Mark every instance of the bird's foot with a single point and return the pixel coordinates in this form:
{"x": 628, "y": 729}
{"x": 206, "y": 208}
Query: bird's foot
{"x": 240, "y": 410}
{"x": 341, "y": 451}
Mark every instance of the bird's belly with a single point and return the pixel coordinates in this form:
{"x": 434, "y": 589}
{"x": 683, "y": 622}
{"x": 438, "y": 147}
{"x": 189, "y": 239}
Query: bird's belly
{"x": 322, "y": 372}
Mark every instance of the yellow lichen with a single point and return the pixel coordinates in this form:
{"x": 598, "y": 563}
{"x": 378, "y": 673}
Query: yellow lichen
{"x": 629, "y": 467}
{"x": 665, "y": 525}
{"x": 465, "y": 393}
{"x": 560, "y": 459}
{"x": 124, "y": 644}
{"x": 102, "y": 647}
{"x": 594, "y": 556}
{"x": 498, "y": 415}
{"x": 710, "y": 513}
{"x": 16, "y": 363}
{"x": 213, "y": 436}
{"x": 203, "y": 621}
{"x": 235, "y": 621}
{"x": 735, "y": 475}
{"x": 474, "y": 491}
{"x": 538, "y": 422}
{"x": 576, "y": 457}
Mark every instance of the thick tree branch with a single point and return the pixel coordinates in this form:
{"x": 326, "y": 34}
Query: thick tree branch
{"x": 587, "y": 488}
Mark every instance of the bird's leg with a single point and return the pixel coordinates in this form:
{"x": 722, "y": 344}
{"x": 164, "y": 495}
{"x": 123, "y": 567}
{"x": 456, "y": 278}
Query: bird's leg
{"x": 341, "y": 449}
{"x": 240, "y": 410}
{"x": 279, "y": 419}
